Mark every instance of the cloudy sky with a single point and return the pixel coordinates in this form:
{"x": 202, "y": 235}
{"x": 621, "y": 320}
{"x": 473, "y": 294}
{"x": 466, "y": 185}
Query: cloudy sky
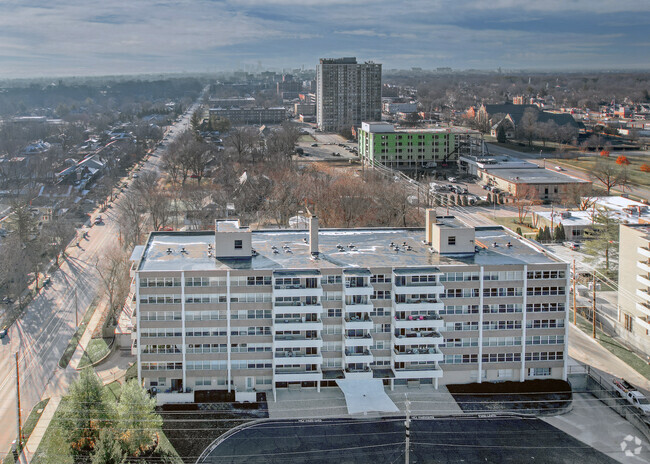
{"x": 96, "y": 37}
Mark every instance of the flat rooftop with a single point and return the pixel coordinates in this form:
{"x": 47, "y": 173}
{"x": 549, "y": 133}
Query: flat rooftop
{"x": 289, "y": 249}
{"x": 376, "y": 127}
{"x": 534, "y": 176}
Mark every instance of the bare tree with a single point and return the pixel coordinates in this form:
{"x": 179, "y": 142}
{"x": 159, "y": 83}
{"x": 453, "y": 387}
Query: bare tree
{"x": 527, "y": 126}
{"x": 155, "y": 201}
{"x": 609, "y": 174}
{"x": 129, "y": 218}
{"x": 113, "y": 270}
{"x": 525, "y": 198}
{"x": 242, "y": 140}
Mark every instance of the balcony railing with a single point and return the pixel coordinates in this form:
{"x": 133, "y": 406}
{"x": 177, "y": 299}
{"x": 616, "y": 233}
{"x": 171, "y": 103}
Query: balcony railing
{"x": 364, "y": 318}
{"x": 295, "y": 337}
{"x": 295, "y": 303}
{"x": 432, "y": 334}
{"x": 352, "y": 353}
{"x": 419, "y": 317}
{"x": 293, "y": 354}
{"x": 358, "y": 337}
{"x": 415, "y": 351}
{"x": 417, "y": 284}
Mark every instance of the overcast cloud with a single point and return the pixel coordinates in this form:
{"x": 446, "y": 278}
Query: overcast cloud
{"x": 73, "y": 37}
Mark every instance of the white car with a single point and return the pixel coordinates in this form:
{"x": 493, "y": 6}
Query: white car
{"x": 559, "y": 168}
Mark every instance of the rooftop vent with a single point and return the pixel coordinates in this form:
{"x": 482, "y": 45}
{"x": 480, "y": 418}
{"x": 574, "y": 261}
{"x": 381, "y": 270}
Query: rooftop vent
{"x": 495, "y": 244}
{"x": 183, "y": 250}
{"x": 169, "y": 251}
{"x": 509, "y": 244}
{"x": 275, "y": 251}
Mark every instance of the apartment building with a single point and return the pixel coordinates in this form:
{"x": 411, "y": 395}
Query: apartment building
{"x": 252, "y": 115}
{"x": 634, "y": 286}
{"x": 268, "y": 309}
{"x": 347, "y": 93}
{"x": 408, "y": 148}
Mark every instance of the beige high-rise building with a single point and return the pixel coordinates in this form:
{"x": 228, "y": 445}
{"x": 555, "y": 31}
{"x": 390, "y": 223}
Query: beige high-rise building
{"x": 268, "y": 309}
{"x": 634, "y": 286}
{"x": 347, "y": 93}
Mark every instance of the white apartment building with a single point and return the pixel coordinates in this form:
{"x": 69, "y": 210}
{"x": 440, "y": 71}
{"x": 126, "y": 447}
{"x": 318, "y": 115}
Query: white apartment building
{"x": 268, "y": 309}
{"x": 347, "y": 93}
{"x": 634, "y": 286}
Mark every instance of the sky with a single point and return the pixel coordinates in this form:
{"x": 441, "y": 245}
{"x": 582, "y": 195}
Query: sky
{"x": 107, "y": 37}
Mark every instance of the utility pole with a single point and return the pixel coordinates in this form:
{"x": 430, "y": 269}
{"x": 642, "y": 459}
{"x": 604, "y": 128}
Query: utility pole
{"x": 575, "y": 309}
{"x": 407, "y": 425}
{"x": 76, "y": 309}
{"x": 593, "y": 306}
{"x": 18, "y": 422}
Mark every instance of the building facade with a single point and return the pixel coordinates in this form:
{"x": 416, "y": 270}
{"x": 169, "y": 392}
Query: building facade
{"x": 634, "y": 286}
{"x": 249, "y": 311}
{"x": 382, "y": 143}
{"x": 251, "y": 115}
{"x": 347, "y": 93}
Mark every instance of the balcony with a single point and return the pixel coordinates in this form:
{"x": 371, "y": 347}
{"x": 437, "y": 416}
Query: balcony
{"x": 420, "y": 305}
{"x": 643, "y": 265}
{"x": 298, "y": 324}
{"x": 354, "y": 373}
{"x": 418, "y": 372}
{"x": 643, "y": 251}
{"x": 296, "y": 375}
{"x": 352, "y": 357}
{"x": 297, "y": 341}
{"x": 418, "y": 287}
{"x": 643, "y": 321}
{"x": 358, "y": 340}
{"x": 644, "y": 308}
{"x": 643, "y": 280}
{"x": 419, "y": 322}
{"x": 291, "y": 358}
{"x": 296, "y": 307}
{"x": 297, "y": 290}
{"x": 358, "y": 290}
{"x": 417, "y": 354}
{"x": 357, "y": 322}
{"x": 419, "y": 338}
{"x": 359, "y": 307}
{"x": 643, "y": 294}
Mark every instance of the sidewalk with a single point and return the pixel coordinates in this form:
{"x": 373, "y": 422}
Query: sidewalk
{"x": 88, "y": 334}
{"x": 39, "y": 431}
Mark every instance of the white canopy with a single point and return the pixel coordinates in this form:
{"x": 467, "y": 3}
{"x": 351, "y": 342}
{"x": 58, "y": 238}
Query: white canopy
{"x": 366, "y": 395}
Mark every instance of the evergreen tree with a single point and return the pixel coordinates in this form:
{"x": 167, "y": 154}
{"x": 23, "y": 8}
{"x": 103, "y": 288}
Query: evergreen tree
{"x": 519, "y": 232}
{"x": 559, "y": 233}
{"x": 547, "y": 234}
{"x": 85, "y": 413}
{"x": 137, "y": 418}
{"x": 501, "y": 134}
{"x": 108, "y": 449}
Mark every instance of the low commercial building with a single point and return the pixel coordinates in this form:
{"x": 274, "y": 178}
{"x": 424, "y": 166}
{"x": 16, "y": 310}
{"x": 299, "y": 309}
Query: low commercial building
{"x": 237, "y": 309}
{"x": 548, "y": 185}
{"x": 251, "y": 115}
{"x": 634, "y": 286}
{"x": 415, "y": 148}
{"x": 394, "y": 108}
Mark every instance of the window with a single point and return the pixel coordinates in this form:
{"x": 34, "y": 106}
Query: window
{"x": 238, "y": 245}
{"x": 539, "y": 372}
{"x": 451, "y": 240}
{"x": 628, "y": 322}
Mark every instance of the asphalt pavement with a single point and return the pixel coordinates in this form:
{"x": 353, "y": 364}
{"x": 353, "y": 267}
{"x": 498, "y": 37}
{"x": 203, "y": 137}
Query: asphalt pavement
{"x": 441, "y": 440}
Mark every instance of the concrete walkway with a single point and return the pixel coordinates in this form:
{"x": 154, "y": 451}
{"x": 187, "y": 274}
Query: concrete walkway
{"x": 39, "y": 431}
{"x": 87, "y": 335}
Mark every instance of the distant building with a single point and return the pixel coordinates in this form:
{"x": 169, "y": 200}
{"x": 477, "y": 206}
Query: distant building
{"x": 238, "y": 102}
{"x": 394, "y": 108}
{"x": 382, "y": 143}
{"x": 347, "y": 93}
{"x": 251, "y": 115}
{"x": 514, "y": 113}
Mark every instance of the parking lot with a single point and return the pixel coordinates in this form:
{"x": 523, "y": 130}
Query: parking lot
{"x": 441, "y": 440}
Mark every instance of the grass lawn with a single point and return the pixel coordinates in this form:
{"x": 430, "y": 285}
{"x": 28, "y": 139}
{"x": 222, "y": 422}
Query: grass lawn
{"x": 628, "y": 357}
{"x": 113, "y": 390}
{"x": 511, "y": 223}
{"x": 96, "y": 350}
{"x": 29, "y": 425}
{"x": 74, "y": 341}
{"x": 306, "y": 139}
{"x": 637, "y": 177}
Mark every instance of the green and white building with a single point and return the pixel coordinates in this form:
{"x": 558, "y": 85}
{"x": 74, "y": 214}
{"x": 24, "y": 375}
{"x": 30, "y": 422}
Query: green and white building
{"x": 415, "y": 148}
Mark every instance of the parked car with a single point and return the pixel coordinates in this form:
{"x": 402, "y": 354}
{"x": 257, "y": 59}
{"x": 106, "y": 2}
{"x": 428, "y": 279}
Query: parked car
{"x": 572, "y": 245}
{"x": 3, "y": 332}
{"x": 98, "y": 220}
{"x": 47, "y": 281}
{"x": 452, "y": 179}
{"x": 632, "y": 395}
{"x": 314, "y": 144}
{"x": 559, "y": 168}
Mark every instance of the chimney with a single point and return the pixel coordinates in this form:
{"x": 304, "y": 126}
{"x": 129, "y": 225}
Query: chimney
{"x": 430, "y": 220}
{"x": 313, "y": 235}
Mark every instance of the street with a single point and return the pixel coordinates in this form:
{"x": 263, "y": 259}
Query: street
{"x": 42, "y": 333}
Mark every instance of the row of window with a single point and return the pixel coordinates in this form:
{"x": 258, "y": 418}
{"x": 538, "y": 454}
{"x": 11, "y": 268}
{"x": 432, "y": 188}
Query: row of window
{"x": 545, "y": 340}
{"x": 545, "y": 323}
{"x": 546, "y": 274}
{"x": 544, "y": 356}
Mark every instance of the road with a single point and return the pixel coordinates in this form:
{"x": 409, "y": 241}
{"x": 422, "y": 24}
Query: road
{"x": 42, "y": 333}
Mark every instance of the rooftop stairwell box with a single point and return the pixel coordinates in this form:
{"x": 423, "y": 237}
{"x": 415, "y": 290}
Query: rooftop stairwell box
{"x": 232, "y": 240}
{"x": 448, "y": 235}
